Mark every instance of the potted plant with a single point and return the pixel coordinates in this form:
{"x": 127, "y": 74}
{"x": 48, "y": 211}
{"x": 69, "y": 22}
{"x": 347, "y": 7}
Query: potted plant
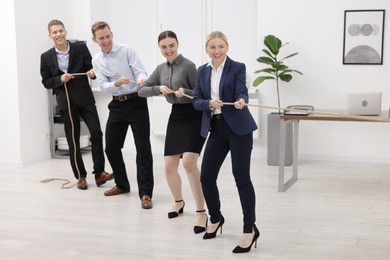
{"x": 276, "y": 70}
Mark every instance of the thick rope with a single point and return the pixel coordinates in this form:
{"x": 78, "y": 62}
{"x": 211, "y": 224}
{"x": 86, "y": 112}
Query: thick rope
{"x": 59, "y": 179}
{"x": 361, "y": 118}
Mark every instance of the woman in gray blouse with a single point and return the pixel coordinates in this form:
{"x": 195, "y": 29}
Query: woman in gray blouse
{"x": 173, "y": 78}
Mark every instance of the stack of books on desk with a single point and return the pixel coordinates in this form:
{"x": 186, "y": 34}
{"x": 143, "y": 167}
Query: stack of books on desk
{"x": 299, "y": 110}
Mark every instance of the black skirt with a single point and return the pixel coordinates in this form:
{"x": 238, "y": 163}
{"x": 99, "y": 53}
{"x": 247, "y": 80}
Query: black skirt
{"x": 183, "y": 130}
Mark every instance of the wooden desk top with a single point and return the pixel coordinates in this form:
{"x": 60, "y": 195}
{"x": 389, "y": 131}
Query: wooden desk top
{"x": 337, "y": 115}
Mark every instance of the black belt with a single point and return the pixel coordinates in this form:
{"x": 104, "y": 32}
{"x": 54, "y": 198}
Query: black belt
{"x": 217, "y": 116}
{"x": 125, "y": 97}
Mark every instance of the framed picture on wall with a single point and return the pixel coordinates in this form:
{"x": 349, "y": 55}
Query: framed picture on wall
{"x": 363, "y": 37}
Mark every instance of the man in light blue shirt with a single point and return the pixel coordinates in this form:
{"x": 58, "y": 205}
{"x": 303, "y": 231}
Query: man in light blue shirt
{"x": 119, "y": 71}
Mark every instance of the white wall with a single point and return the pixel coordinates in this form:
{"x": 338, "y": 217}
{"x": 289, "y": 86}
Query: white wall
{"x": 9, "y": 98}
{"x": 313, "y": 28}
{"x": 32, "y": 39}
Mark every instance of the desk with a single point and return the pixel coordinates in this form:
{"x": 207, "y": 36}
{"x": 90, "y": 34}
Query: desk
{"x": 332, "y": 115}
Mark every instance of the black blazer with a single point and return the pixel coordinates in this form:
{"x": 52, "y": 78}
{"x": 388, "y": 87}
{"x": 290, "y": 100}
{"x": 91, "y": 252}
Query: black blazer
{"x": 80, "y": 91}
{"x": 232, "y": 87}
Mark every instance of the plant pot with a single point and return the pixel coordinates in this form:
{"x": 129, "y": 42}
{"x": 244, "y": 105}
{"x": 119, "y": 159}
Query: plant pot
{"x": 273, "y": 140}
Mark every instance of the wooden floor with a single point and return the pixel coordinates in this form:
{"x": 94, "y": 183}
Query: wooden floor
{"x": 334, "y": 211}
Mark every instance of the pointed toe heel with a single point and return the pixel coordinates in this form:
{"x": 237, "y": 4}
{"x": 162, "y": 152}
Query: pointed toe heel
{"x": 212, "y": 235}
{"x": 239, "y": 249}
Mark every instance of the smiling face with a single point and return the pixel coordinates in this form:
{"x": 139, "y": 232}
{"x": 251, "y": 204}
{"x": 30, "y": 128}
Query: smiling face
{"x": 217, "y": 48}
{"x": 58, "y": 34}
{"x": 103, "y": 37}
{"x": 168, "y": 48}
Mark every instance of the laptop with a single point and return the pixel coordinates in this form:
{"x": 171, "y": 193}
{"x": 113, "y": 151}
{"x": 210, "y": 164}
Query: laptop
{"x": 364, "y": 104}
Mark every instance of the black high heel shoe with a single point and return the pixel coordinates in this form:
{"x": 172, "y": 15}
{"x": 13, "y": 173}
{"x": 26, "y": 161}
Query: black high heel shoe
{"x": 212, "y": 235}
{"x": 174, "y": 214}
{"x": 239, "y": 249}
{"x": 200, "y": 229}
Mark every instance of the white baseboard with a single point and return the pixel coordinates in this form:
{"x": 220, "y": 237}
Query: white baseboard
{"x": 344, "y": 158}
{"x": 21, "y": 164}
{"x": 10, "y": 165}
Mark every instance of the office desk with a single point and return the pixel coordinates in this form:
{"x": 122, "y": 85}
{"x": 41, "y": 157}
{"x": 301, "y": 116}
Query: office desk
{"x": 329, "y": 115}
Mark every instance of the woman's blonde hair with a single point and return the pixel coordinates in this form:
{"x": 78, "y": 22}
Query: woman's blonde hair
{"x": 216, "y": 34}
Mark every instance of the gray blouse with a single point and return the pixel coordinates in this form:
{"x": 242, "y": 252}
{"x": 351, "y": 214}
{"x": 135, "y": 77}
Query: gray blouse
{"x": 181, "y": 73}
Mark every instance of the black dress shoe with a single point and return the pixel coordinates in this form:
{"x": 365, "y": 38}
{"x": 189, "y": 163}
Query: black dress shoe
{"x": 239, "y": 249}
{"x": 212, "y": 235}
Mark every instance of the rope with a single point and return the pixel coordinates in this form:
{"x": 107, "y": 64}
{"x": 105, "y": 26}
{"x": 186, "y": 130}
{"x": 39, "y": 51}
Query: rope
{"x": 59, "y": 179}
{"x": 73, "y": 141}
{"x": 362, "y": 118}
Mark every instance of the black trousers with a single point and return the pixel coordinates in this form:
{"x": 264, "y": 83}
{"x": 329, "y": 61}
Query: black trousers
{"x": 133, "y": 113}
{"x": 90, "y": 116}
{"x": 220, "y": 142}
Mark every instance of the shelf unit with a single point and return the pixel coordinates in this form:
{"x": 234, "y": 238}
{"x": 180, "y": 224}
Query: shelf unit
{"x": 57, "y": 130}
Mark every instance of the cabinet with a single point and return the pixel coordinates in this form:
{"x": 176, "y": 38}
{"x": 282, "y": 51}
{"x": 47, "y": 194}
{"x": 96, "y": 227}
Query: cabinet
{"x": 58, "y": 144}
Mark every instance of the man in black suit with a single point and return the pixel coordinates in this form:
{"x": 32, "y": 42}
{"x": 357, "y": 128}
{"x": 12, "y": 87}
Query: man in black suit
{"x": 57, "y": 66}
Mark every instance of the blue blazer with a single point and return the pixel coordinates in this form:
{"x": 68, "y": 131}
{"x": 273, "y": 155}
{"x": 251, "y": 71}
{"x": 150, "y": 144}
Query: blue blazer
{"x": 232, "y": 88}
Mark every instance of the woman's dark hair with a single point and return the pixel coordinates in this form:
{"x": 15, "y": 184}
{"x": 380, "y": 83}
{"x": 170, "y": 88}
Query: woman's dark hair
{"x": 166, "y": 34}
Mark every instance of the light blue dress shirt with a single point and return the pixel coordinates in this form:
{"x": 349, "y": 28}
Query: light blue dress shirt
{"x": 63, "y": 59}
{"x": 122, "y": 60}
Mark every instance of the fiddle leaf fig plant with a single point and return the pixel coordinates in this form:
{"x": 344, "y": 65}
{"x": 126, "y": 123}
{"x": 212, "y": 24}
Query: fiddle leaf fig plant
{"x": 276, "y": 68}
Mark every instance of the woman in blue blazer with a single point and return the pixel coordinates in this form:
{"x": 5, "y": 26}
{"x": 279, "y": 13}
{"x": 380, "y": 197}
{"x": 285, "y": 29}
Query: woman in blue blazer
{"x": 231, "y": 127}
